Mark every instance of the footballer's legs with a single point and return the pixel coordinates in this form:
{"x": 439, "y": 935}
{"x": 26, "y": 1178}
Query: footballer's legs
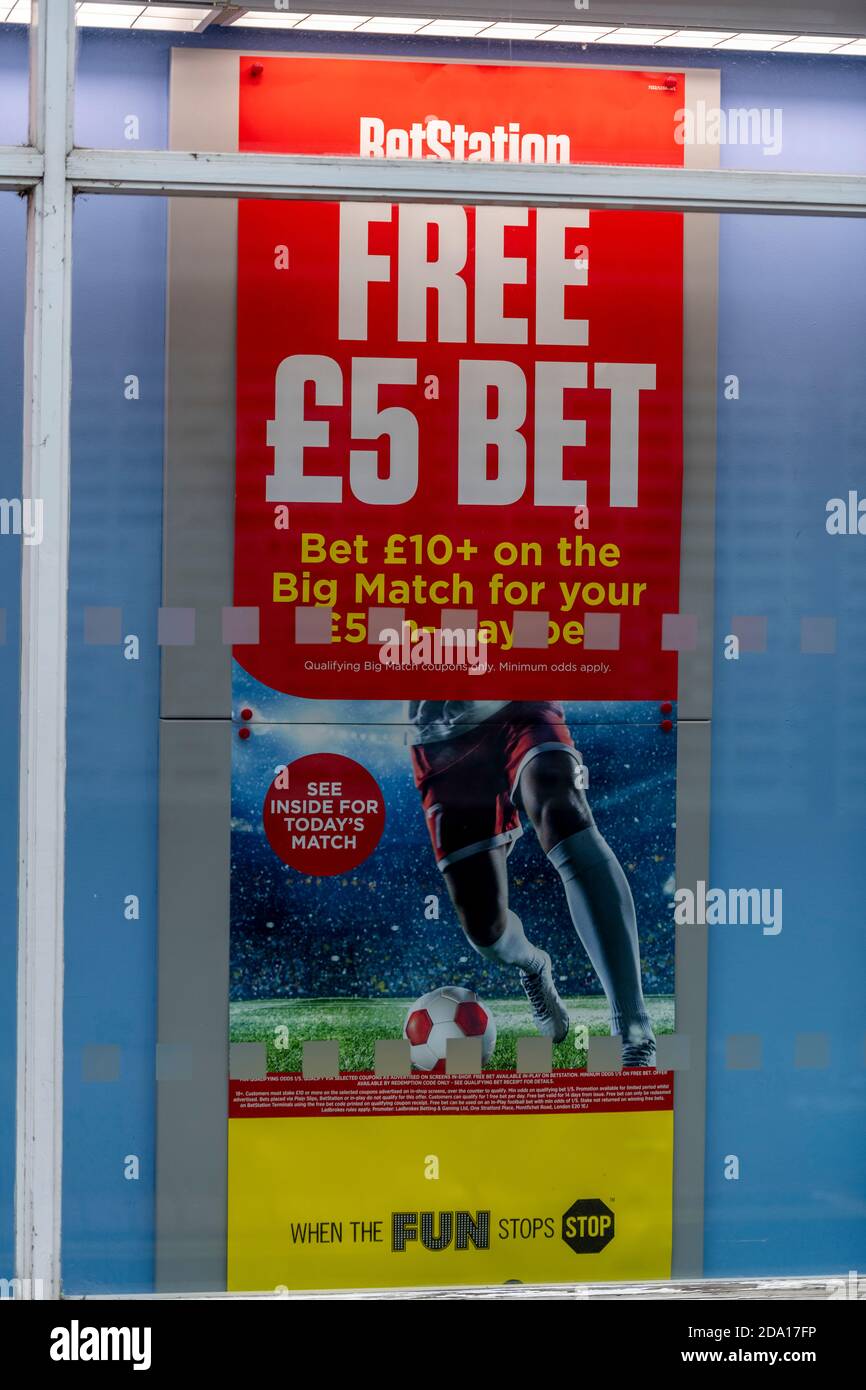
{"x": 478, "y": 885}
{"x": 597, "y": 891}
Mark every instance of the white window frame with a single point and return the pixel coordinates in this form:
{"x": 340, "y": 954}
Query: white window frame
{"x": 50, "y": 171}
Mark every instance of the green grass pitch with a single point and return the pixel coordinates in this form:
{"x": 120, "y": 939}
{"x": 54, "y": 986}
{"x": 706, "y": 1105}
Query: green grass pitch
{"x": 283, "y": 1024}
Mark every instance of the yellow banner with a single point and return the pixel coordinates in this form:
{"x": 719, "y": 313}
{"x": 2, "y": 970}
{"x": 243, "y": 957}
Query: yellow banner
{"x": 358, "y": 1202}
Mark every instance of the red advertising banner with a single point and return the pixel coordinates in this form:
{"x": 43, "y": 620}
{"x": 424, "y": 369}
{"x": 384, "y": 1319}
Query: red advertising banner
{"x": 458, "y": 419}
{"x": 458, "y": 511}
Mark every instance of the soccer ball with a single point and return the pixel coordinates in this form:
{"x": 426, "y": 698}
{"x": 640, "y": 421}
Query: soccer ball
{"x": 442, "y": 1014}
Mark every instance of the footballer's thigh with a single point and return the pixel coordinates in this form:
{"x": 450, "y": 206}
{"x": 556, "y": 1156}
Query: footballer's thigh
{"x": 478, "y": 885}
{"x": 553, "y": 798}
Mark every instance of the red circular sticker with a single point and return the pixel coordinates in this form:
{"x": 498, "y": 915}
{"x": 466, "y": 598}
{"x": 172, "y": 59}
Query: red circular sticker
{"x": 324, "y": 814}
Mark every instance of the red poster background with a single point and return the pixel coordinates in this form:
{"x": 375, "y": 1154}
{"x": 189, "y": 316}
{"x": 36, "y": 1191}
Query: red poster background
{"x": 633, "y": 302}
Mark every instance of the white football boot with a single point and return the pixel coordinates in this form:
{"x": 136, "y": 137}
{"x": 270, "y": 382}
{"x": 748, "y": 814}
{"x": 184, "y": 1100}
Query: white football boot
{"x": 638, "y": 1048}
{"x": 549, "y": 1014}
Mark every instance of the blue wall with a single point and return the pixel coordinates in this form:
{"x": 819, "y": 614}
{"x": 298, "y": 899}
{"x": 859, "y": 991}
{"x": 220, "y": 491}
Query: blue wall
{"x": 118, "y": 329}
{"x": 788, "y": 738}
{"x": 789, "y": 797}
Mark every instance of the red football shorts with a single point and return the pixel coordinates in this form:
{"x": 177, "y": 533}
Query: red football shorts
{"x": 469, "y": 784}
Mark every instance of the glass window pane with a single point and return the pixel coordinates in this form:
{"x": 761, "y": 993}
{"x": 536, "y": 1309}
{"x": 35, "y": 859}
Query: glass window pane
{"x": 14, "y": 71}
{"x": 291, "y": 422}
{"x": 690, "y": 97}
{"x": 117, "y": 451}
{"x": 21, "y": 523}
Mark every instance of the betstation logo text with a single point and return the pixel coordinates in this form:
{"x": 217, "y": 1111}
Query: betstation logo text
{"x": 586, "y": 1227}
{"x": 436, "y": 139}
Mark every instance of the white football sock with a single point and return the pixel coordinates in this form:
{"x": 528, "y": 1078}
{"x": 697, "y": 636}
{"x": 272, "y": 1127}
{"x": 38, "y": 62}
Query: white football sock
{"x": 512, "y": 947}
{"x": 602, "y": 910}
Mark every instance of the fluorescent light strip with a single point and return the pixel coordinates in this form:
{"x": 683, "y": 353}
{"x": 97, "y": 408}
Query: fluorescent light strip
{"x": 178, "y": 18}
{"x": 87, "y": 20}
{"x": 176, "y": 12}
{"x": 578, "y": 33}
{"x": 453, "y": 28}
{"x": 90, "y": 14}
{"x": 334, "y": 23}
{"x": 383, "y": 25}
{"x": 695, "y": 38}
{"x": 88, "y": 7}
{"x": 264, "y": 20}
{"x": 184, "y": 18}
{"x": 808, "y": 43}
{"x": 757, "y": 43}
{"x": 504, "y": 29}
{"x": 172, "y": 22}
{"x": 638, "y": 37}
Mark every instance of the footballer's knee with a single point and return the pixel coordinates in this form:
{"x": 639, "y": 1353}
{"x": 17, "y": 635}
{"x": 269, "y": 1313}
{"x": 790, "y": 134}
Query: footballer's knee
{"x": 482, "y": 927}
{"x": 480, "y": 899}
{"x": 553, "y": 798}
{"x": 483, "y": 920}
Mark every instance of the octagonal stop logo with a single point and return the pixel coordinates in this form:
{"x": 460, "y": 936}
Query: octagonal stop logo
{"x": 588, "y": 1226}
